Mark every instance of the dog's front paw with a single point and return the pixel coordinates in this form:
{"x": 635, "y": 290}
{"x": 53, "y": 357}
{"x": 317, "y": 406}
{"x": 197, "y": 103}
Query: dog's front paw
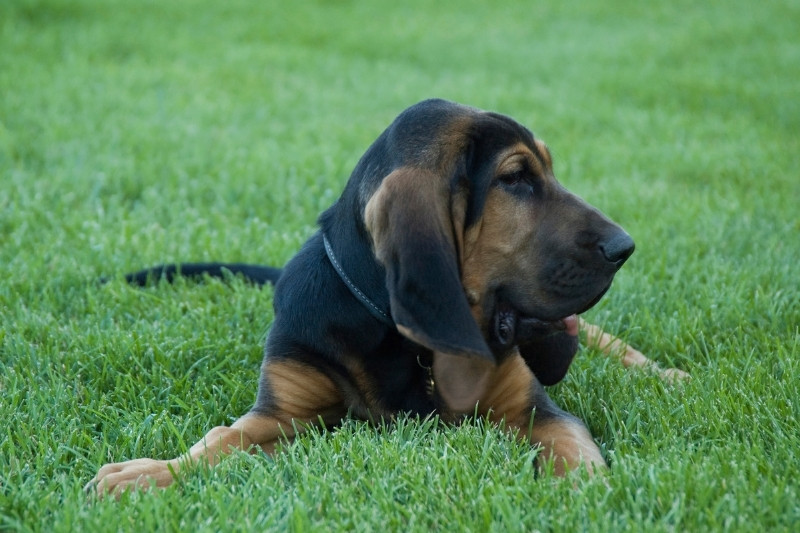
{"x": 138, "y": 474}
{"x": 673, "y": 376}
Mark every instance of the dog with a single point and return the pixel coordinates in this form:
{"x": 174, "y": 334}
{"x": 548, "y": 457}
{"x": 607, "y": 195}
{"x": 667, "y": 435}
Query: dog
{"x": 446, "y": 280}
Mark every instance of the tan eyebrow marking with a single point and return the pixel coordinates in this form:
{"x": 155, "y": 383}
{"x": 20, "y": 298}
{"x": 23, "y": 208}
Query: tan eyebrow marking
{"x": 517, "y": 158}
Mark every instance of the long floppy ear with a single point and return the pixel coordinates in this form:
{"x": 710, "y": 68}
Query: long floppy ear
{"x": 411, "y": 226}
{"x": 409, "y": 220}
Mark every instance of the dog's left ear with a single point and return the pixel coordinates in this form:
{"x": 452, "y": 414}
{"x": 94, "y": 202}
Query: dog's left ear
{"x": 411, "y": 224}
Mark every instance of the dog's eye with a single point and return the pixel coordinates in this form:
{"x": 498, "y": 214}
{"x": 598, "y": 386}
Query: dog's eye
{"x": 519, "y": 182}
{"x": 512, "y": 179}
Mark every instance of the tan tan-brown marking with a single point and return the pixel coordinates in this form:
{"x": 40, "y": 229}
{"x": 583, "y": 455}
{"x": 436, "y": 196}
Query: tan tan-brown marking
{"x": 508, "y": 395}
{"x": 568, "y": 444}
{"x": 492, "y": 248}
{"x": 520, "y": 157}
{"x": 630, "y": 357}
{"x": 461, "y": 380}
{"x": 302, "y": 392}
{"x": 515, "y": 159}
{"x": 498, "y": 246}
{"x": 450, "y": 145}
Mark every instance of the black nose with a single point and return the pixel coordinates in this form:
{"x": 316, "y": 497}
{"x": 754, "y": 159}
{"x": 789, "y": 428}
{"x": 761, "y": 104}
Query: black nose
{"x": 617, "y": 248}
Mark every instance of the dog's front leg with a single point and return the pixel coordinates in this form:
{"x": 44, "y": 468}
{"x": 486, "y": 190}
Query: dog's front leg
{"x": 514, "y": 395}
{"x": 630, "y": 356}
{"x": 250, "y": 432}
{"x": 566, "y": 442}
{"x": 292, "y": 397}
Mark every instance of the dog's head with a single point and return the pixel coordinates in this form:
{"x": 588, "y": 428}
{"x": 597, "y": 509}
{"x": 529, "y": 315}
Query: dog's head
{"x": 476, "y": 234}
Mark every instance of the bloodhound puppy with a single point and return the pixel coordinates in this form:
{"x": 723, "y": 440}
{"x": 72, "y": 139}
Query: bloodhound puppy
{"x": 446, "y": 279}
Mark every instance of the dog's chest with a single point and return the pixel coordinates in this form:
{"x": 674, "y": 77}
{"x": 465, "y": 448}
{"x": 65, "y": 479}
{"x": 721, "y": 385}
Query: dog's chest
{"x": 394, "y": 380}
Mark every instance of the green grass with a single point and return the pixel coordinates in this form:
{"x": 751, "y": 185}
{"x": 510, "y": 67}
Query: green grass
{"x": 136, "y": 132}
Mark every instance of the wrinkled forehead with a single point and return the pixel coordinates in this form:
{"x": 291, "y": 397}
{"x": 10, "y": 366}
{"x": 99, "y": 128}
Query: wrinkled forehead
{"x": 521, "y": 156}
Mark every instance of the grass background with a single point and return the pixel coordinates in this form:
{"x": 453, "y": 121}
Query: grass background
{"x": 137, "y": 132}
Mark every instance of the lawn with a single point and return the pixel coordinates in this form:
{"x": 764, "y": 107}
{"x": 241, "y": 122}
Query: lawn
{"x": 140, "y": 132}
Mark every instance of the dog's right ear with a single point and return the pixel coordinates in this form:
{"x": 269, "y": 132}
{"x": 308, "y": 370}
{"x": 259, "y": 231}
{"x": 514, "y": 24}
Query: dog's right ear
{"x": 410, "y": 223}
